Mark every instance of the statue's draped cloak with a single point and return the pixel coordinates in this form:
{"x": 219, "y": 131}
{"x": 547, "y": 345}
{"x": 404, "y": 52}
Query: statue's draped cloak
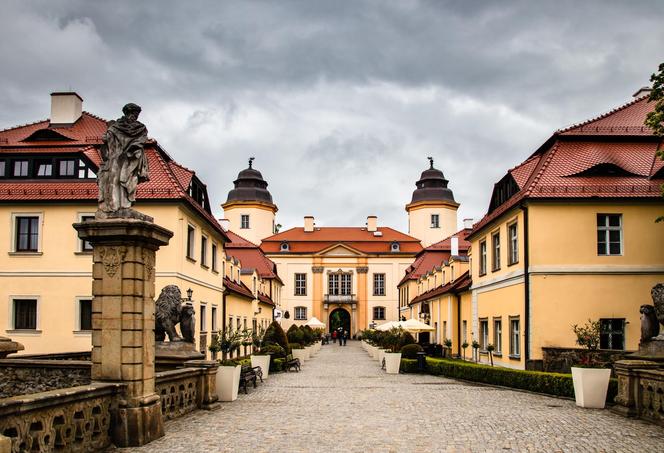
{"x": 124, "y": 166}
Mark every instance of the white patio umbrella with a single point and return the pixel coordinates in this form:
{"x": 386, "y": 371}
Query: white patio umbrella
{"x": 388, "y": 325}
{"x": 315, "y": 323}
{"x": 415, "y": 326}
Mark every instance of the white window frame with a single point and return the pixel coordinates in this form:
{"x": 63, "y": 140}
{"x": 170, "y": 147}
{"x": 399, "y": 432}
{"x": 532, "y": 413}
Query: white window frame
{"x": 498, "y": 335}
{"x": 214, "y": 251}
{"x": 11, "y": 328}
{"x": 374, "y": 313}
{"x": 378, "y": 285}
{"x": 81, "y": 216}
{"x": 606, "y": 229}
{"x": 495, "y": 251}
{"x": 14, "y": 232}
{"x": 77, "y": 311}
{"x": 297, "y": 313}
{"x": 464, "y": 325}
{"x": 202, "y": 306}
{"x": 512, "y": 243}
{"x": 515, "y": 337}
{"x": 213, "y": 317}
{"x": 205, "y": 240}
{"x": 484, "y": 333}
{"x": 483, "y": 257}
{"x": 190, "y": 252}
{"x": 435, "y": 220}
{"x": 303, "y": 286}
{"x": 243, "y": 225}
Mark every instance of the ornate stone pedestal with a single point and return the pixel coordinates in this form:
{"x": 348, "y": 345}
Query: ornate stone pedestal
{"x": 171, "y": 355}
{"x": 123, "y": 344}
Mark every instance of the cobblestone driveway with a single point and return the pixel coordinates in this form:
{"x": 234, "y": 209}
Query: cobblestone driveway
{"x": 342, "y": 402}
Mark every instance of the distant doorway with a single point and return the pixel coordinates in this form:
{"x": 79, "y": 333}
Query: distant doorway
{"x": 339, "y": 318}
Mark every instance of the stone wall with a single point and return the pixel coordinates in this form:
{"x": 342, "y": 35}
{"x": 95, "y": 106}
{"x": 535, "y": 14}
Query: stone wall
{"x": 186, "y": 389}
{"x": 560, "y": 360}
{"x": 26, "y": 376}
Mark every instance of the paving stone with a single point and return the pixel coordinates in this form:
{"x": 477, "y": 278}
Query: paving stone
{"x": 342, "y": 401}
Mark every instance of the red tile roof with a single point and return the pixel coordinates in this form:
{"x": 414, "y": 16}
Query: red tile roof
{"x": 87, "y": 130}
{"x": 356, "y": 238}
{"x": 563, "y": 166}
{"x": 264, "y": 298}
{"x": 238, "y": 288}
{"x": 250, "y": 256}
{"x": 435, "y": 254}
{"x": 460, "y": 284}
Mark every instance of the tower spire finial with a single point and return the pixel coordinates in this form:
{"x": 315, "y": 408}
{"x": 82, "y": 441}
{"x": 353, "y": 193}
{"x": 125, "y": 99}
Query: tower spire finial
{"x": 430, "y": 161}
{"x": 251, "y": 160}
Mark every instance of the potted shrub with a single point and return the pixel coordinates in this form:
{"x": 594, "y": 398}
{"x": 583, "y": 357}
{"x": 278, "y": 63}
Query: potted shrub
{"x": 298, "y": 351}
{"x": 590, "y": 380}
{"x": 476, "y": 347}
{"x": 260, "y": 357}
{"x": 464, "y": 346}
{"x": 392, "y": 340}
{"x": 448, "y": 347}
{"x": 490, "y": 348}
{"x": 228, "y": 374}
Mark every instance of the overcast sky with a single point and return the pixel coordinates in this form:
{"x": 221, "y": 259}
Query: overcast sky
{"x": 339, "y": 101}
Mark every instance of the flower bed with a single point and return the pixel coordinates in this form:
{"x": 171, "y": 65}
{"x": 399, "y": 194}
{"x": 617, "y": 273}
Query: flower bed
{"x": 534, "y": 381}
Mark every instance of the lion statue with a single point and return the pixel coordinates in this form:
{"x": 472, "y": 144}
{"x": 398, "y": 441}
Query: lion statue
{"x": 168, "y": 309}
{"x": 649, "y": 323}
{"x": 188, "y": 323}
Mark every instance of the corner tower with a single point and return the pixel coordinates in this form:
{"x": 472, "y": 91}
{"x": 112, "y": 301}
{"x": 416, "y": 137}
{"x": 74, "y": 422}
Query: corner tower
{"x": 249, "y": 207}
{"x": 432, "y": 212}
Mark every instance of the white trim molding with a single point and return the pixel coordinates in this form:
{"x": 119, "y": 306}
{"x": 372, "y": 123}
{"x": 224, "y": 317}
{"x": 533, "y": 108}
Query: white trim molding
{"x": 513, "y": 278}
{"x": 595, "y": 269}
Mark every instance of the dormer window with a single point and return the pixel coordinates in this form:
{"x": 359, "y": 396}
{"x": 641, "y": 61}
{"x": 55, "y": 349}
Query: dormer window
{"x": 285, "y": 247}
{"x": 20, "y": 168}
{"x": 68, "y": 167}
{"x": 394, "y": 247}
{"x": 44, "y": 167}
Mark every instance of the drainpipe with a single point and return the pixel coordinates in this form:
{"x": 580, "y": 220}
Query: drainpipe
{"x": 526, "y": 286}
{"x": 223, "y": 317}
{"x": 458, "y": 297}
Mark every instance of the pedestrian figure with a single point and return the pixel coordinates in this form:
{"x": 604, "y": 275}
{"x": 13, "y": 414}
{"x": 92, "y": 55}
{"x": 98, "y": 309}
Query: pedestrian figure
{"x": 341, "y": 336}
{"x": 334, "y": 336}
{"x": 345, "y": 337}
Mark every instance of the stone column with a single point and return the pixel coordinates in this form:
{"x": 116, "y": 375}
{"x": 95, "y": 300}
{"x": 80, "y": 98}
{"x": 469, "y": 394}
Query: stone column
{"x": 123, "y": 341}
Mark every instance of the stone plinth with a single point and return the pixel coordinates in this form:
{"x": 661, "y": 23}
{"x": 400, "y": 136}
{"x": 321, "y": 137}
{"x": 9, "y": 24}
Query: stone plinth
{"x": 173, "y": 354}
{"x": 650, "y": 350}
{"x": 8, "y": 346}
{"x": 123, "y": 343}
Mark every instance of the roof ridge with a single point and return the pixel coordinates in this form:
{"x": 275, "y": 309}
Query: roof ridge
{"x": 603, "y": 115}
{"x": 536, "y": 175}
{"x": 24, "y": 125}
{"x": 95, "y": 116}
{"x": 170, "y": 174}
{"x": 243, "y": 238}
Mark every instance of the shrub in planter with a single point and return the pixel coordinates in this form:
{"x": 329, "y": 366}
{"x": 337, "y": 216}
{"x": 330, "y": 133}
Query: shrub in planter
{"x": 410, "y": 351}
{"x": 308, "y": 335}
{"x": 406, "y": 339}
{"x": 295, "y": 335}
{"x": 409, "y": 365}
{"x": 275, "y": 334}
{"x": 277, "y": 365}
{"x": 274, "y": 350}
{"x": 295, "y": 345}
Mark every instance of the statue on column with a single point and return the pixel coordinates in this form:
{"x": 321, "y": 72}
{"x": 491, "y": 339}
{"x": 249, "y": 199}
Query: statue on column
{"x": 124, "y": 165}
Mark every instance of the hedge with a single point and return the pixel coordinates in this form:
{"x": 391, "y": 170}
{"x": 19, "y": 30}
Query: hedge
{"x": 277, "y": 365}
{"x": 534, "y": 381}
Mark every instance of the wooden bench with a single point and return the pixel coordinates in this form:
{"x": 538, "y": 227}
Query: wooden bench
{"x": 247, "y": 374}
{"x": 259, "y": 372}
{"x": 292, "y": 363}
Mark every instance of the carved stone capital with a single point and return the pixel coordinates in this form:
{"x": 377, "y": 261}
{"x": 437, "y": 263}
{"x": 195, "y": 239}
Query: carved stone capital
{"x": 317, "y": 269}
{"x": 362, "y": 270}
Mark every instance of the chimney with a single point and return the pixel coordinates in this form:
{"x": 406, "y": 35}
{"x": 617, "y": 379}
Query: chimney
{"x": 66, "y": 108}
{"x": 372, "y": 220}
{"x": 455, "y": 246}
{"x": 468, "y": 224}
{"x": 643, "y": 91}
{"x": 225, "y": 224}
{"x": 308, "y": 224}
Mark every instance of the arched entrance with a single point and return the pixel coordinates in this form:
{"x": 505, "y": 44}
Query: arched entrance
{"x": 339, "y": 317}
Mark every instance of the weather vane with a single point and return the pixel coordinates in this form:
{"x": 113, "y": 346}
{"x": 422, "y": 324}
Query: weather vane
{"x": 430, "y": 161}
{"x": 251, "y": 160}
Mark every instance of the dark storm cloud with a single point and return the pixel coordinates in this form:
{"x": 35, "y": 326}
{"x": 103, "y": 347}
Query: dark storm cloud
{"x": 339, "y": 101}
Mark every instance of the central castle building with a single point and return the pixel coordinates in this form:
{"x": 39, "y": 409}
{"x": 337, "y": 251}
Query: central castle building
{"x": 344, "y": 276}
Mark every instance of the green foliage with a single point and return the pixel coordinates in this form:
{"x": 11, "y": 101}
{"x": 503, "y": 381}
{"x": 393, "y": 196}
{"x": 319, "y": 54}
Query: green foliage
{"x": 587, "y": 335}
{"x": 257, "y": 337}
{"x": 534, "y": 381}
{"x": 448, "y": 343}
{"x": 369, "y": 335}
{"x": 406, "y": 339}
{"x": 277, "y": 364}
{"x": 391, "y": 339}
{"x": 490, "y": 347}
{"x": 226, "y": 341}
{"x": 476, "y": 344}
{"x": 229, "y": 362}
{"x": 295, "y": 346}
{"x": 410, "y": 351}
{"x": 273, "y": 349}
{"x": 308, "y": 335}
{"x": 276, "y": 335}
{"x": 295, "y": 334}
{"x": 408, "y": 365}
{"x": 464, "y": 345}
{"x": 655, "y": 119}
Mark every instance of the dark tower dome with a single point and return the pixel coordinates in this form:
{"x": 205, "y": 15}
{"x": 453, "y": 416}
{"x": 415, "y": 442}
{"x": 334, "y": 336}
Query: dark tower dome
{"x": 432, "y": 186}
{"x": 250, "y": 186}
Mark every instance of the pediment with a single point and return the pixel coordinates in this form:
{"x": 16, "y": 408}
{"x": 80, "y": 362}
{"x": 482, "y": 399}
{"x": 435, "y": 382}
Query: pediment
{"x": 340, "y": 250}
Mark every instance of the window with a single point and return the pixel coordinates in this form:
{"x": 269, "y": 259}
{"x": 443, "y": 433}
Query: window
{"x": 339, "y": 284}
{"x": 484, "y": 334}
{"x": 27, "y": 234}
{"x": 300, "y": 284}
{"x": 482, "y": 257}
{"x": 254, "y": 285}
{"x": 444, "y": 329}
{"x": 2, "y": 168}
{"x": 25, "y": 314}
{"x": 379, "y": 313}
{"x": 20, "y": 168}
{"x": 612, "y": 333}
{"x": 238, "y": 323}
{"x": 244, "y": 221}
{"x": 230, "y": 323}
{"x": 204, "y": 241}
{"x": 465, "y": 331}
{"x": 498, "y": 335}
{"x": 203, "y": 320}
{"x": 495, "y": 249}
{"x": 44, "y": 167}
{"x": 67, "y": 168}
{"x": 394, "y": 247}
{"x": 300, "y": 313}
{"x": 515, "y": 347}
{"x": 513, "y": 244}
{"x": 214, "y": 257}
{"x": 379, "y": 285}
{"x": 213, "y": 313}
{"x": 609, "y": 234}
{"x": 284, "y": 247}
{"x": 191, "y": 231}
{"x": 85, "y": 246}
{"x": 435, "y": 221}
{"x": 85, "y": 314}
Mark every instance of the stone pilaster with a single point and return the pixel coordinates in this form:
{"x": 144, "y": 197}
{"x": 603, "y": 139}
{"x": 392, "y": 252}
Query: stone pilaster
{"x": 123, "y": 342}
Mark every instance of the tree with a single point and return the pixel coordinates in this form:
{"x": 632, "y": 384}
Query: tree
{"x": 655, "y": 119}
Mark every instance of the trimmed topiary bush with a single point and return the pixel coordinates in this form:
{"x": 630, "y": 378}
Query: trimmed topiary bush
{"x": 406, "y": 339}
{"x": 277, "y": 365}
{"x": 308, "y": 335}
{"x": 276, "y": 335}
{"x": 273, "y": 350}
{"x": 295, "y": 345}
{"x": 295, "y": 334}
{"x": 408, "y": 366}
{"x": 410, "y": 351}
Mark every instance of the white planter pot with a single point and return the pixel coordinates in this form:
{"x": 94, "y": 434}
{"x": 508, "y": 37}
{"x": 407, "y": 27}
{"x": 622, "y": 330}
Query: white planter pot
{"x": 262, "y": 361}
{"x": 228, "y": 382}
{"x": 374, "y": 352}
{"x": 381, "y": 356}
{"x": 309, "y": 352}
{"x": 590, "y": 386}
{"x": 392, "y": 362}
{"x": 299, "y": 354}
